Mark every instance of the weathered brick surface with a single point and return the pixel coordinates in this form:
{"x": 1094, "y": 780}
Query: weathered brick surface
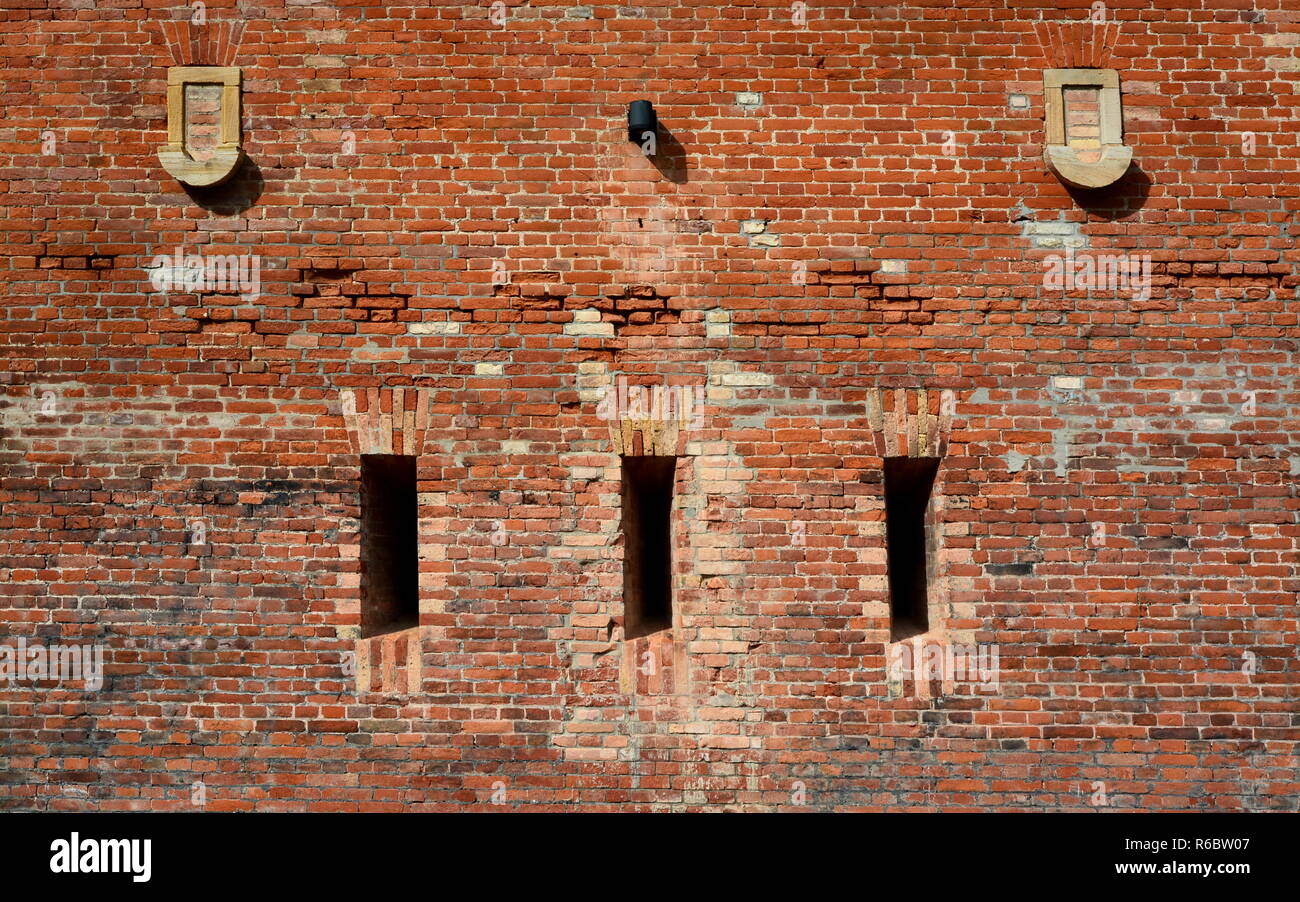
{"x": 840, "y": 242}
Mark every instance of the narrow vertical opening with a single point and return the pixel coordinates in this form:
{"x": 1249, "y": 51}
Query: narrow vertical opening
{"x": 647, "y": 544}
{"x": 908, "y": 484}
{"x": 390, "y": 566}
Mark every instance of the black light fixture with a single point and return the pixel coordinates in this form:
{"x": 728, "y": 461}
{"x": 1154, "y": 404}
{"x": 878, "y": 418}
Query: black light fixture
{"x": 641, "y": 118}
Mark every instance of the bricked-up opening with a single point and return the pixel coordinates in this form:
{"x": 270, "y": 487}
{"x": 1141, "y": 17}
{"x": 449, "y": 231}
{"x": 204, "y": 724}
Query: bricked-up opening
{"x": 908, "y": 483}
{"x": 390, "y": 544}
{"x": 647, "y": 544}
{"x": 1083, "y": 121}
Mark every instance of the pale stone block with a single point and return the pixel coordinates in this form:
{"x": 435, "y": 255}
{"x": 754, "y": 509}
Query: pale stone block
{"x": 747, "y": 379}
{"x": 598, "y": 329}
{"x": 447, "y": 328}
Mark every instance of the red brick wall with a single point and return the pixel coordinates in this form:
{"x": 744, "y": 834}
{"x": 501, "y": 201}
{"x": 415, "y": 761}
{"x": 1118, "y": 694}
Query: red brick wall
{"x": 849, "y": 267}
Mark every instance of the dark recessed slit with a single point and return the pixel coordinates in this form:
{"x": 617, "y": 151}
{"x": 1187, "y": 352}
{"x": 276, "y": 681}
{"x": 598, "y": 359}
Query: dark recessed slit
{"x": 908, "y": 483}
{"x": 390, "y": 556}
{"x": 647, "y": 550}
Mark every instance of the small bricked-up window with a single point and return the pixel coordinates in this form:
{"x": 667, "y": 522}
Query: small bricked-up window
{"x": 647, "y": 544}
{"x": 1083, "y": 121}
{"x": 908, "y": 483}
{"x": 390, "y": 544}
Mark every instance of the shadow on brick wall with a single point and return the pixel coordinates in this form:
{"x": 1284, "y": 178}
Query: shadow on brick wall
{"x": 1117, "y": 201}
{"x": 233, "y": 196}
{"x": 670, "y": 157}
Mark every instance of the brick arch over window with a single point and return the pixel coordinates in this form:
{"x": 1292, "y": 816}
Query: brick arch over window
{"x": 386, "y": 420}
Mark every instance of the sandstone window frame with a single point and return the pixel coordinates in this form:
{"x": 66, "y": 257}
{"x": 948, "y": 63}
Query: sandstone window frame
{"x": 1063, "y": 158}
{"x": 174, "y": 155}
